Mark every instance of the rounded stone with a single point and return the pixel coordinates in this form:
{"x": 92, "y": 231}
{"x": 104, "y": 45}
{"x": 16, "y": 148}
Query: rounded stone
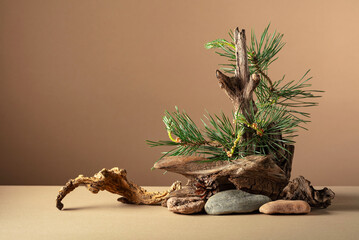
{"x": 234, "y": 201}
{"x": 185, "y": 205}
{"x": 285, "y": 207}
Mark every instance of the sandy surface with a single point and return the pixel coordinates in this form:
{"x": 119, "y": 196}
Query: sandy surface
{"x": 29, "y": 212}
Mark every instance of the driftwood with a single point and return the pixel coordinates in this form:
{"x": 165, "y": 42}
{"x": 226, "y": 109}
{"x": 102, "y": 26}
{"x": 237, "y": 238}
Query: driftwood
{"x": 240, "y": 87}
{"x": 184, "y": 192}
{"x": 115, "y": 181}
{"x": 301, "y": 189}
{"x": 254, "y": 174}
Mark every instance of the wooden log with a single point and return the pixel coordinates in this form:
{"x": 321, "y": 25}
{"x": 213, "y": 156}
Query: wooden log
{"x": 301, "y": 189}
{"x": 255, "y": 174}
{"x": 115, "y": 181}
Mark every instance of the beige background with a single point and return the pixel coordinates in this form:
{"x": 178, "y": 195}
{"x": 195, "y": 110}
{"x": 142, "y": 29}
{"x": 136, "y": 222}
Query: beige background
{"x": 83, "y": 84}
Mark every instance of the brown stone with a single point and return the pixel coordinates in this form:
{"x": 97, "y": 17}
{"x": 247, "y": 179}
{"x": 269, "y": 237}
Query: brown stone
{"x": 285, "y": 207}
{"x": 185, "y": 205}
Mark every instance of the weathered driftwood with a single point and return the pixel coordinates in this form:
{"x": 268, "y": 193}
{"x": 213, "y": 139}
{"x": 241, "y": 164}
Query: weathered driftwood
{"x": 115, "y": 181}
{"x": 203, "y": 188}
{"x": 254, "y": 174}
{"x": 301, "y": 189}
{"x": 184, "y": 192}
{"x": 240, "y": 87}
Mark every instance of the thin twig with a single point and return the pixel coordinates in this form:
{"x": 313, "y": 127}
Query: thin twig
{"x": 267, "y": 78}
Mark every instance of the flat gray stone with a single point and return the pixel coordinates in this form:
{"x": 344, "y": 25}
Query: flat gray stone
{"x": 234, "y": 201}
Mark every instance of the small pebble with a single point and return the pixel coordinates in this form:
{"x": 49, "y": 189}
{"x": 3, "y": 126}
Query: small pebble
{"x": 185, "y": 205}
{"x": 285, "y": 207}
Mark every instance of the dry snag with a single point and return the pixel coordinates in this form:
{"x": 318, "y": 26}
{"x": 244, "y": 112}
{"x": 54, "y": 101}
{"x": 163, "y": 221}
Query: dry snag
{"x": 301, "y": 189}
{"x": 240, "y": 88}
{"x": 254, "y": 174}
{"x": 115, "y": 181}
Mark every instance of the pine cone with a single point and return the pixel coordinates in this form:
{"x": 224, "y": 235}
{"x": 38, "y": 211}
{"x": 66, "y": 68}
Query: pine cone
{"x": 205, "y": 187}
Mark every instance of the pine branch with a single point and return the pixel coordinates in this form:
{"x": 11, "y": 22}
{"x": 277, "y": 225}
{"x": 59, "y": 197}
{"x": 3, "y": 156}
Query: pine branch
{"x": 294, "y": 94}
{"x": 181, "y": 125}
{"x": 258, "y": 69}
{"x": 189, "y": 139}
{"x": 265, "y": 127}
{"x": 224, "y": 138}
{"x": 271, "y": 129}
{"x": 263, "y": 53}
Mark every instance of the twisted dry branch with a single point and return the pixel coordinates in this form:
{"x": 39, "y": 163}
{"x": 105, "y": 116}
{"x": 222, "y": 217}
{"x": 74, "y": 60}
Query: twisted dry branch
{"x": 115, "y": 181}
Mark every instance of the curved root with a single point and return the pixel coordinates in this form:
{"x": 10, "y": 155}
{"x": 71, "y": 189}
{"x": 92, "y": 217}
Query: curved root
{"x": 115, "y": 181}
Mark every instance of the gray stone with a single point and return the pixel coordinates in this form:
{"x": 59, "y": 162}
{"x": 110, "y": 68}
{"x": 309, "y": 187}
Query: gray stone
{"x": 234, "y": 201}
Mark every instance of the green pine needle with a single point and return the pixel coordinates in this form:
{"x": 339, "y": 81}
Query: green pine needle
{"x": 275, "y": 124}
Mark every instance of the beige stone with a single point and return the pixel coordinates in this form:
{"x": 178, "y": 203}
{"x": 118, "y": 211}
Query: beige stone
{"x": 185, "y": 205}
{"x": 285, "y": 207}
